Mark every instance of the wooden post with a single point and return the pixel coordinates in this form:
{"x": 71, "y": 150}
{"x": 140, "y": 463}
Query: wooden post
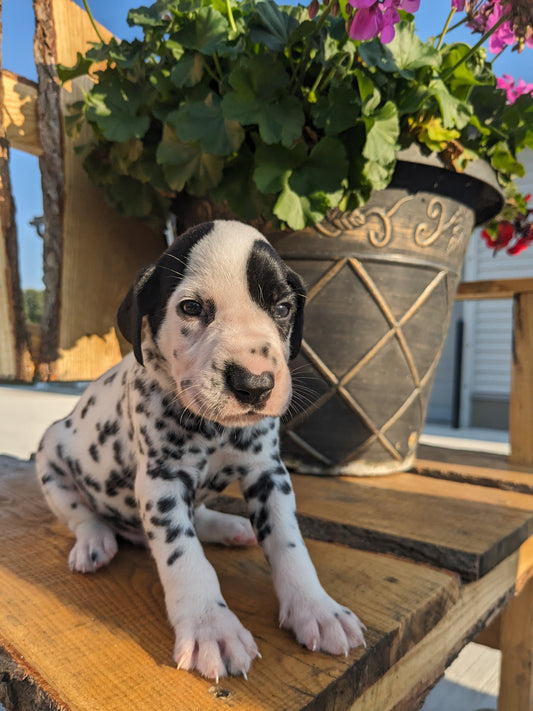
{"x": 516, "y": 643}
{"x": 52, "y": 181}
{"x": 521, "y": 403}
{"x": 15, "y": 360}
{"x": 91, "y": 253}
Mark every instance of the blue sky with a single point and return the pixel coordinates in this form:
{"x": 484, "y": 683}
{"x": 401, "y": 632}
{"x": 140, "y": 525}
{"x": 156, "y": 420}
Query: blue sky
{"x": 17, "y": 51}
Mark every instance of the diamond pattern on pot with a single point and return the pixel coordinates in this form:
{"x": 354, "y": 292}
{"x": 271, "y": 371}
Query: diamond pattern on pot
{"x": 394, "y": 355}
{"x": 340, "y": 350}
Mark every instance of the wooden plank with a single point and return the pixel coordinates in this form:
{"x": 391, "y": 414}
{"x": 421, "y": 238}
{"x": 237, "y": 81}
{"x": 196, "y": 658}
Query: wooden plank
{"x": 20, "y": 113}
{"x": 516, "y": 643}
{"x": 502, "y": 479}
{"x": 493, "y": 289}
{"x": 102, "y": 641}
{"x": 521, "y": 400}
{"x": 447, "y": 455}
{"x": 468, "y": 531}
{"x": 405, "y": 685}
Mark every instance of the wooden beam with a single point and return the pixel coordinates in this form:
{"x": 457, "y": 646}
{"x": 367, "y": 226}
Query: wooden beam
{"x": 493, "y": 289}
{"x": 20, "y": 113}
{"x": 521, "y": 400}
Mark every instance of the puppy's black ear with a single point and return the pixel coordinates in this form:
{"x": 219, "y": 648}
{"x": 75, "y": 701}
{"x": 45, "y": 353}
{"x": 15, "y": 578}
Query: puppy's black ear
{"x": 136, "y": 304}
{"x": 297, "y": 286}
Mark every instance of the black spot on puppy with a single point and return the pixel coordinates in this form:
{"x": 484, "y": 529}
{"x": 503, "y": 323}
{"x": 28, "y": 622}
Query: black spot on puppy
{"x": 166, "y": 503}
{"x": 90, "y": 402}
{"x": 93, "y": 451}
{"x": 173, "y": 557}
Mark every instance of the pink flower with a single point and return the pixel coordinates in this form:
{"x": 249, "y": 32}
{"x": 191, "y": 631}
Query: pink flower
{"x": 458, "y": 5}
{"x": 504, "y": 35}
{"x": 377, "y": 18}
{"x": 513, "y": 91}
{"x": 313, "y": 9}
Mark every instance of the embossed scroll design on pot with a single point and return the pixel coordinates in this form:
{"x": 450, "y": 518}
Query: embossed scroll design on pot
{"x": 379, "y": 225}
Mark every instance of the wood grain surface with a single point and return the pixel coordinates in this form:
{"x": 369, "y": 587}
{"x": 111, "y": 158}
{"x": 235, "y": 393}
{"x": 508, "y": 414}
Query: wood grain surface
{"x": 102, "y": 641}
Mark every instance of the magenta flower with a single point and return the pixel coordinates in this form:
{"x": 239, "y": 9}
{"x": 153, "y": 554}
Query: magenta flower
{"x": 458, "y": 5}
{"x": 375, "y": 18}
{"x": 513, "y": 91}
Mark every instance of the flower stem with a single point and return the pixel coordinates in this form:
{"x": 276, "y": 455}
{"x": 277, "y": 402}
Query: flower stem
{"x": 230, "y": 16}
{"x": 93, "y": 23}
{"x": 217, "y": 67}
{"x": 497, "y": 56}
{"x": 302, "y": 66}
{"x": 475, "y": 48}
{"x": 445, "y": 28}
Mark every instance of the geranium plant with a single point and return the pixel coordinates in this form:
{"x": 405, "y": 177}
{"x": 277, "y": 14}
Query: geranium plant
{"x": 286, "y": 112}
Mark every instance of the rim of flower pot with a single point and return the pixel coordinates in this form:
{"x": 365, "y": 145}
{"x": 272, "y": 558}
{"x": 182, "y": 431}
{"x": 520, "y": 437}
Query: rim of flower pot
{"x": 477, "y": 187}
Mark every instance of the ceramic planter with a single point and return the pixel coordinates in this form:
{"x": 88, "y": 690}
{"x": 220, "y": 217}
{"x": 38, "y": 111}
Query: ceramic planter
{"x": 381, "y": 285}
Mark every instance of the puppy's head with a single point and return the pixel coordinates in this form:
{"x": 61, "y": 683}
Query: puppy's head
{"x": 227, "y": 315}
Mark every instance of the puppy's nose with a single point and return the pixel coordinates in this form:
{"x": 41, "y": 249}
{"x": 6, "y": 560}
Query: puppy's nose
{"x": 249, "y": 388}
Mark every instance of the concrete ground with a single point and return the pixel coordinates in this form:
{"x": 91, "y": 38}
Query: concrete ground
{"x": 470, "y": 683}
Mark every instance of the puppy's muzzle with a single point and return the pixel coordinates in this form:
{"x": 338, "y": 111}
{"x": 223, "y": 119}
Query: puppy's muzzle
{"x": 249, "y": 388}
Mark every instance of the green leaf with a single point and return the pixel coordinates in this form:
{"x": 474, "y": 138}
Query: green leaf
{"x": 409, "y": 52}
{"x": 188, "y": 70}
{"x": 147, "y": 17}
{"x": 290, "y": 209}
{"x": 205, "y": 32}
{"x": 239, "y": 191}
{"x": 204, "y": 121}
{"x": 383, "y": 130}
{"x": 272, "y": 26}
{"x": 113, "y": 104}
{"x": 275, "y": 165}
{"x": 503, "y": 160}
{"x": 324, "y": 171}
{"x": 338, "y": 111}
{"x": 308, "y": 186}
{"x": 81, "y": 68}
{"x": 454, "y": 112}
{"x": 186, "y": 164}
{"x": 259, "y": 97}
{"x": 122, "y": 155}
{"x": 379, "y": 175}
{"x": 377, "y": 55}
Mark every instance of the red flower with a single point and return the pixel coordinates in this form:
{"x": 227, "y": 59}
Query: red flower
{"x": 503, "y": 236}
{"x": 522, "y": 243}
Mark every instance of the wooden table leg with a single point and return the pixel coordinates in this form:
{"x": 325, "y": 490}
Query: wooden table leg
{"x": 516, "y": 643}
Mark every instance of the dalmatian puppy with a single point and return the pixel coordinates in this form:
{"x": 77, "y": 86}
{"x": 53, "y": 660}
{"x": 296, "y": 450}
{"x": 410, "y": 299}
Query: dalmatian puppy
{"x": 195, "y": 406}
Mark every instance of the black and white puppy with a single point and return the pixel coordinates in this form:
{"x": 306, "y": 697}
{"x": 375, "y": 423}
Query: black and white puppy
{"x": 194, "y": 407}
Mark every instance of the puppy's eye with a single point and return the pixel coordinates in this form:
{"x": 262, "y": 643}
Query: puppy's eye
{"x": 283, "y": 309}
{"x": 191, "y": 307}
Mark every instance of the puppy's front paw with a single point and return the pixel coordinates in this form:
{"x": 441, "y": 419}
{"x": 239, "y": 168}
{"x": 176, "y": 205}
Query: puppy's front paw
{"x": 214, "y": 643}
{"x": 320, "y": 623}
{"x": 95, "y": 546}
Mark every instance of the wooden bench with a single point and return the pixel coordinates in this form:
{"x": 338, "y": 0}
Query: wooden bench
{"x": 426, "y": 560}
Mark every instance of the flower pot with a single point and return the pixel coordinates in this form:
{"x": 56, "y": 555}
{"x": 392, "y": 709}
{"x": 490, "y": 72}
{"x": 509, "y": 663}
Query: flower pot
{"x": 381, "y": 284}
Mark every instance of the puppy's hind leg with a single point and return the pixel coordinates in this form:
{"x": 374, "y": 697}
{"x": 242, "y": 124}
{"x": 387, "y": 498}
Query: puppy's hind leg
{"x": 217, "y": 527}
{"x": 95, "y": 542}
